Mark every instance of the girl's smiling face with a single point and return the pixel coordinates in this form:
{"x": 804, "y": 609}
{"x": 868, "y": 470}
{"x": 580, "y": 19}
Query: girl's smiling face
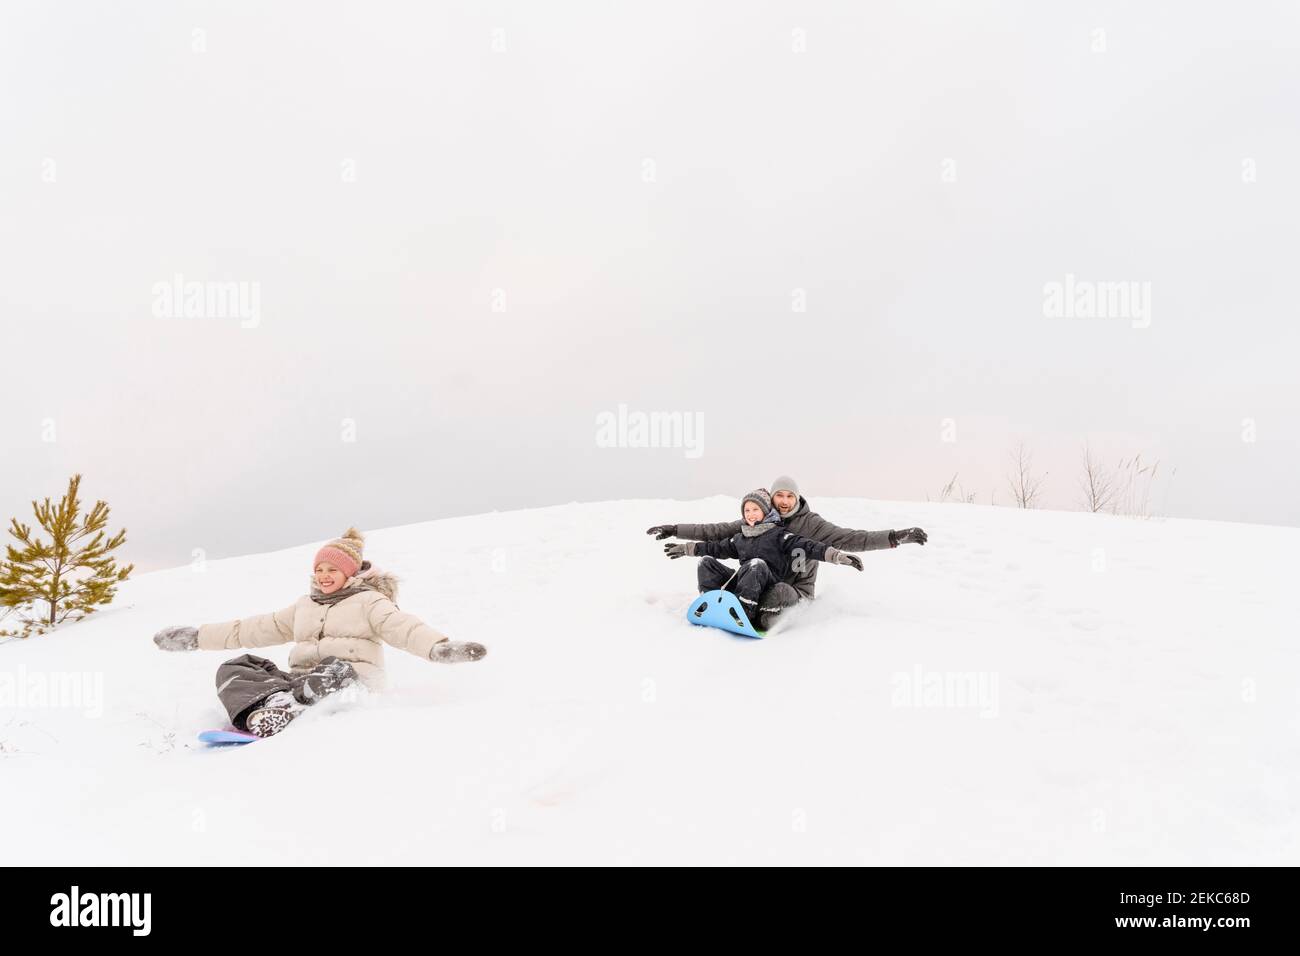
{"x": 329, "y": 578}
{"x": 752, "y": 512}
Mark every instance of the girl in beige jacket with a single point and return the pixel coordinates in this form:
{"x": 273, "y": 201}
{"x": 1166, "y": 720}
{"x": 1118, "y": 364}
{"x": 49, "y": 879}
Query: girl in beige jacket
{"x": 338, "y": 631}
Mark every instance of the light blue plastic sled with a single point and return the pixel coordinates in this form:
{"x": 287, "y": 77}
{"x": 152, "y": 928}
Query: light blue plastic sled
{"x": 227, "y": 738}
{"x": 721, "y": 609}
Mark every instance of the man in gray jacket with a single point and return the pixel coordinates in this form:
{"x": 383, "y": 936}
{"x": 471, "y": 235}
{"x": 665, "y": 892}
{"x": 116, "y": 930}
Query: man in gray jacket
{"x": 797, "y": 516}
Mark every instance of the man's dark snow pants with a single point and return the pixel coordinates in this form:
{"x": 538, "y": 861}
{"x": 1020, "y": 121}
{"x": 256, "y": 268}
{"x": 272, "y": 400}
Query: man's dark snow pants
{"x": 762, "y": 596}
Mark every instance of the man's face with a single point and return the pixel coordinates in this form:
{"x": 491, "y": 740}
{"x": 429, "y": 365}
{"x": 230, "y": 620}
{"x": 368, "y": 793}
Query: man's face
{"x": 785, "y": 501}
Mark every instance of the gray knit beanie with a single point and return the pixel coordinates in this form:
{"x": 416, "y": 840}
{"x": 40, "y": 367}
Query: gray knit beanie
{"x": 785, "y": 483}
{"x": 760, "y": 497}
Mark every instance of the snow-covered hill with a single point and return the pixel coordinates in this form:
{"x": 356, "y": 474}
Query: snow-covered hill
{"x": 1028, "y": 688}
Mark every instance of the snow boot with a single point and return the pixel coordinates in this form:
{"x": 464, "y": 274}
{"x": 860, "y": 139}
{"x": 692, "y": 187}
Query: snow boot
{"x": 327, "y": 677}
{"x": 273, "y": 714}
{"x": 268, "y": 721}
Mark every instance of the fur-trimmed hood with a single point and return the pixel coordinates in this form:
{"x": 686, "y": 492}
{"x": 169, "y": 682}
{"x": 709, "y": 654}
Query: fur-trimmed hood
{"x": 376, "y": 579}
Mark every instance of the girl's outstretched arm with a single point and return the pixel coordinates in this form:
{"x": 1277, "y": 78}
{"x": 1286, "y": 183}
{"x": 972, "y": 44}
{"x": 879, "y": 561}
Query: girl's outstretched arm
{"x": 408, "y": 633}
{"x": 262, "y": 630}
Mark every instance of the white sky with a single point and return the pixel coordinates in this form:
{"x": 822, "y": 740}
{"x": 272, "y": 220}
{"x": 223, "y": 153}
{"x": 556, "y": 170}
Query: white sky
{"x": 129, "y": 157}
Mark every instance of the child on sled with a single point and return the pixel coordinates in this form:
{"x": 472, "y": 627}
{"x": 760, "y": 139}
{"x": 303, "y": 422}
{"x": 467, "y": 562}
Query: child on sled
{"x": 766, "y": 551}
{"x": 338, "y": 631}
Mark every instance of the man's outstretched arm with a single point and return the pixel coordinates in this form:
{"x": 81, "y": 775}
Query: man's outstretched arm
{"x": 696, "y": 532}
{"x": 847, "y": 539}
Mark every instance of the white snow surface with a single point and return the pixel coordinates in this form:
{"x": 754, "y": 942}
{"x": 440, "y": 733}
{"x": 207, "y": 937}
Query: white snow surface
{"x": 1028, "y": 688}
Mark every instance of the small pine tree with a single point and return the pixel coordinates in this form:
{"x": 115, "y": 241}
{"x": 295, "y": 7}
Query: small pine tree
{"x": 73, "y": 574}
{"x": 5, "y": 608}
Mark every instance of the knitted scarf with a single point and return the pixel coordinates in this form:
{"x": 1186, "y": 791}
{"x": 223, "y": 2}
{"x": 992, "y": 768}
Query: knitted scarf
{"x": 368, "y": 579}
{"x": 342, "y": 594}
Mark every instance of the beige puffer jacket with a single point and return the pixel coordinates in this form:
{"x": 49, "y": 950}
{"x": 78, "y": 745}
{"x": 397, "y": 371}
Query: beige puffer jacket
{"x": 355, "y": 629}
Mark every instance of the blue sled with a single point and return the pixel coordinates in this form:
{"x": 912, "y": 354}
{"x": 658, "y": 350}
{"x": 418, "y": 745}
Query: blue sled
{"x": 227, "y": 738}
{"x": 721, "y": 609}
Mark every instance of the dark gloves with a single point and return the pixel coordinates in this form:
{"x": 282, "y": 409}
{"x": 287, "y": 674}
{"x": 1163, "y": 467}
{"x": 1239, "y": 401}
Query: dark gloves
{"x": 661, "y": 531}
{"x": 685, "y": 549}
{"x": 836, "y": 556}
{"x": 907, "y": 536}
{"x": 177, "y": 639}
